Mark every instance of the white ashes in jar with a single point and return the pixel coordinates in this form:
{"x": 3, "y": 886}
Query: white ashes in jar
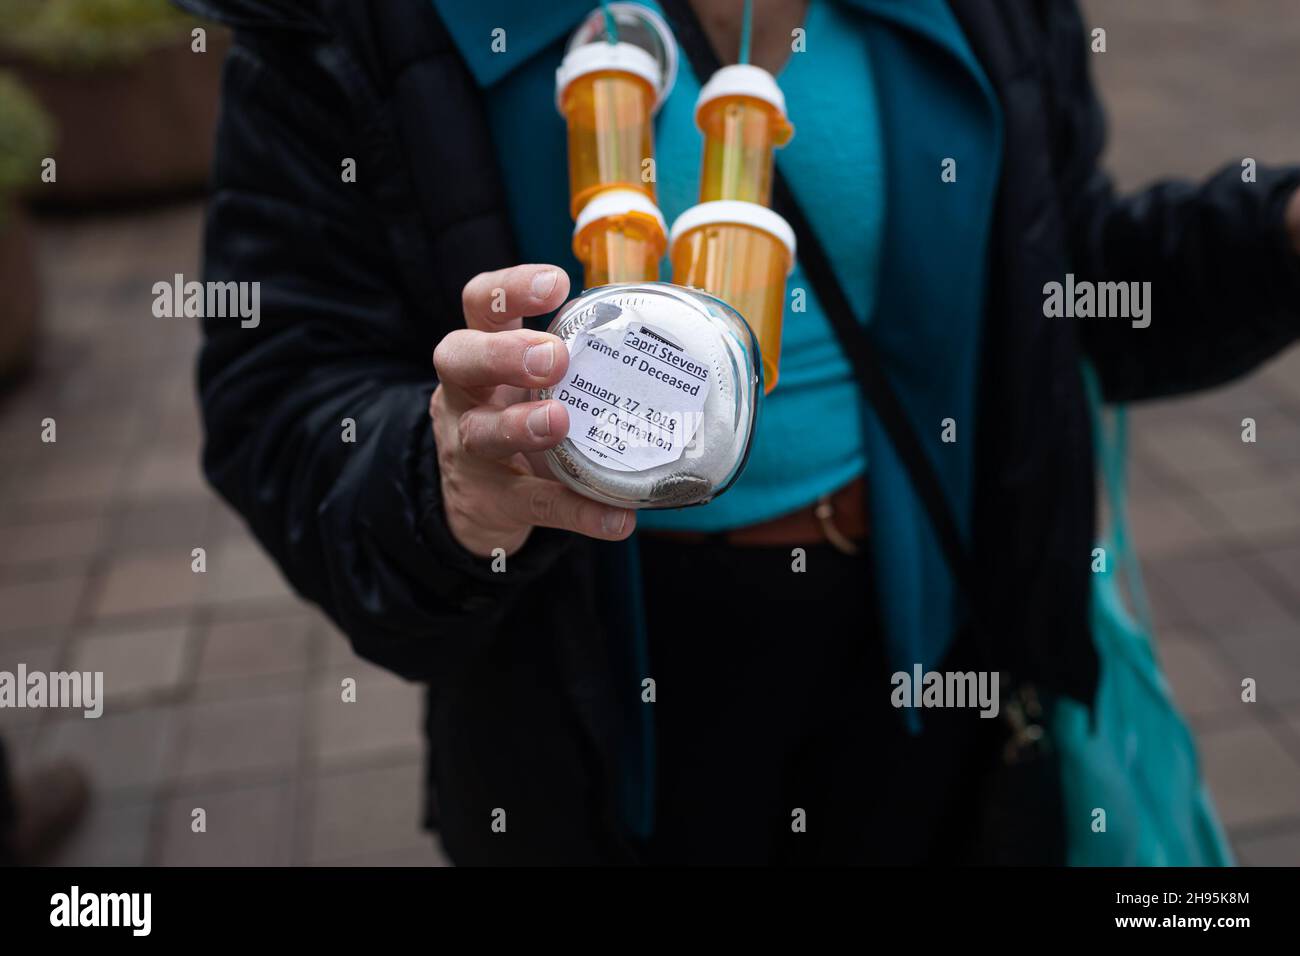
{"x": 662, "y": 391}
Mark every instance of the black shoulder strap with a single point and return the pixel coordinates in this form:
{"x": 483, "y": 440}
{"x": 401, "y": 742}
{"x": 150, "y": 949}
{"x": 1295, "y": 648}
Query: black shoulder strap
{"x": 874, "y": 382}
{"x": 853, "y": 336}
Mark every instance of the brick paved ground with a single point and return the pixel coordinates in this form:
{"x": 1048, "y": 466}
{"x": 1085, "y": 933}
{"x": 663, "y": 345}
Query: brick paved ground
{"x": 225, "y": 688}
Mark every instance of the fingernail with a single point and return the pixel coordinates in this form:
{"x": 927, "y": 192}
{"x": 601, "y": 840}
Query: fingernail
{"x": 539, "y": 421}
{"x": 544, "y": 283}
{"x": 613, "y": 521}
{"x": 539, "y": 359}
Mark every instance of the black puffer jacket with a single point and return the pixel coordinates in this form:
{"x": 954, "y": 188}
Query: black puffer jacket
{"x": 359, "y": 282}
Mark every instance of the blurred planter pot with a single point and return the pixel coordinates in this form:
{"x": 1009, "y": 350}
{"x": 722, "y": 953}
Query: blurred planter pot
{"x": 20, "y": 293}
{"x": 132, "y": 129}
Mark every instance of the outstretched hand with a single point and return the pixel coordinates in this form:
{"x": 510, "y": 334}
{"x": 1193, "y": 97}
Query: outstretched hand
{"x": 495, "y": 485}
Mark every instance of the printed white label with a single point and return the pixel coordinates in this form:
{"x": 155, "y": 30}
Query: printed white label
{"x": 635, "y": 397}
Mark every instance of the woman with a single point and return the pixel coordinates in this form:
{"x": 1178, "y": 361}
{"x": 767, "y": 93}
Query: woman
{"x": 718, "y": 686}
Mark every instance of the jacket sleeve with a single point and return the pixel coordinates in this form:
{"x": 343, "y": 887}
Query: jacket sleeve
{"x": 1225, "y": 278}
{"x": 316, "y": 418}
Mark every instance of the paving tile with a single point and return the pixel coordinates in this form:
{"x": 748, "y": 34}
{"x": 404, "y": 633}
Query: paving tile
{"x": 14, "y": 643}
{"x": 240, "y": 650}
{"x": 1284, "y": 563}
{"x": 49, "y": 542}
{"x": 1252, "y": 471}
{"x": 1189, "y": 447}
{"x": 248, "y": 826}
{"x": 1220, "y": 722}
{"x": 239, "y": 570}
{"x": 49, "y": 604}
{"x": 242, "y": 738}
{"x": 1204, "y": 684}
{"x": 386, "y": 717}
{"x": 1292, "y": 717}
{"x": 95, "y": 424}
{"x": 122, "y": 348}
{"x": 20, "y": 437}
{"x": 1171, "y": 525}
{"x": 389, "y": 798}
{"x": 1274, "y": 848}
{"x": 1216, "y": 590}
{"x": 161, "y": 581}
{"x": 166, "y": 473}
{"x": 180, "y": 428}
{"x": 66, "y": 487}
{"x": 1270, "y": 653}
{"x": 1167, "y": 612}
{"x": 85, "y": 429}
{"x": 175, "y": 526}
{"x": 1260, "y": 512}
{"x": 136, "y": 663}
{"x": 1254, "y": 779}
{"x": 1279, "y": 441}
{"x": 121, "y": 751}
{"x": 1146, "y": 481}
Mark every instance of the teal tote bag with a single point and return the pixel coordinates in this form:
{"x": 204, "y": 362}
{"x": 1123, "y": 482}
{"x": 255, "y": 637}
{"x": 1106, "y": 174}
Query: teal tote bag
{"x": 1134, "y": 795}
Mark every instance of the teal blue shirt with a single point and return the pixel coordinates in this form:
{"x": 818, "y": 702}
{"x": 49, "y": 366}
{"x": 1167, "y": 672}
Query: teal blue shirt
{"x": 809, "y": 438}
{"x": 809, "y": 435}
{"x": 886, "y": 97}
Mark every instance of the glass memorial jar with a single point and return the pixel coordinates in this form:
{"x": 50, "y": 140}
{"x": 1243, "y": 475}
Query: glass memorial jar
{"x": 662, "y": 390}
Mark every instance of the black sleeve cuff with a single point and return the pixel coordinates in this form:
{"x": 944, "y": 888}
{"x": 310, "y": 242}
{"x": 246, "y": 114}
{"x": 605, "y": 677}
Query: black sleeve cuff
{"x": 476, "y": 580}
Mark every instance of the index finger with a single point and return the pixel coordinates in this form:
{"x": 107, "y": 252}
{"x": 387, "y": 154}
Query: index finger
{"x": 521, "y": 357}
{"x": 494, "y": 301}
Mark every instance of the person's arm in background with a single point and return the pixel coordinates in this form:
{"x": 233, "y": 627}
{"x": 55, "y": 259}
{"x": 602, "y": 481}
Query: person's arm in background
{"x": 1222, "y": 257}
{"x": 362, "y": 527}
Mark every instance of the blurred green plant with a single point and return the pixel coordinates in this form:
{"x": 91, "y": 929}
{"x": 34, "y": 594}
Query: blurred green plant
{"x": 26, "y": 137}
{"x": 88, "y": 33}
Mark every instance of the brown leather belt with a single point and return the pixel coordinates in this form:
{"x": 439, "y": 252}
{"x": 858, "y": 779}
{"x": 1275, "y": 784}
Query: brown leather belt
{"x": 839, "y": 518}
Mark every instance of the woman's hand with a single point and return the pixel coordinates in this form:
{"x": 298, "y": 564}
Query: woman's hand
{"x": 495, "y": 486}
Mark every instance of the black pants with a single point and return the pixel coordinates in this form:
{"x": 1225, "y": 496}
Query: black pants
{"x": 773, "y": 707}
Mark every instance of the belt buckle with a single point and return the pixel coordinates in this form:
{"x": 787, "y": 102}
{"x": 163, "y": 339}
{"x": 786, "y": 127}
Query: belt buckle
{"x": 824, "y": 511}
